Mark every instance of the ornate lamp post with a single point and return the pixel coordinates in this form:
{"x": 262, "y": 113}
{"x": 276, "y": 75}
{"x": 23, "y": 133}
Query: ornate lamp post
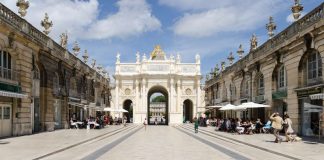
{"x": 85, "y": 56}
{"x": 93, "y": 64}
{"x": 23, "y": 6}
{"x": 99, "y": 67}
{"x": 212, "y": 73}
{"x": 46, "y": 24}
{"x": 76, "y": 48}
{"x": 296, "y": 9}
{"x": 223, "y": 66}
{"x": 271, "y": 26}
{"x": 104, "y": 72}
{"x": 240, "y": 51}
{"x": 216, "y": 70}
{"x": 230, "y": 58}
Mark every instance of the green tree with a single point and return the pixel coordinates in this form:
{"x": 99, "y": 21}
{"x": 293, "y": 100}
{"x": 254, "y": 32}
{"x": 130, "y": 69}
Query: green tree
{"x": 159, "y": 99}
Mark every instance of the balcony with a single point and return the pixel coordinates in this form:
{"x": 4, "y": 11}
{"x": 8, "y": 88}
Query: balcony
{"x": 74, "y": 93}
{"x": 9, "y": 75}
{"x": 279, "y": 94}
{"x": 259, "y": 98}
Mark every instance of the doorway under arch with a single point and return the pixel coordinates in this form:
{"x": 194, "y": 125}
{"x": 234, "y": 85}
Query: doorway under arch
{"x": 157, "y": 106}
{"x": 187, "y": 110}
{"x": 128, "y": 105}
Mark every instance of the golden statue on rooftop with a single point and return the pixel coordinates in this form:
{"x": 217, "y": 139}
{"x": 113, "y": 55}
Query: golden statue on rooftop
{"x": 157, "y": 53}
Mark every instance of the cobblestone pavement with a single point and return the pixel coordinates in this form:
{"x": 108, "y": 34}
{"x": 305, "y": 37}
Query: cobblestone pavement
{"x": 156, "y": 142}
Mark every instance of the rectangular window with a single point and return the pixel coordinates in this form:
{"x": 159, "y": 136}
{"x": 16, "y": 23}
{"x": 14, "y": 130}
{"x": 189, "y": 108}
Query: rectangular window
{"x": 0, "y": 113}
{"x": 6, "y": 112}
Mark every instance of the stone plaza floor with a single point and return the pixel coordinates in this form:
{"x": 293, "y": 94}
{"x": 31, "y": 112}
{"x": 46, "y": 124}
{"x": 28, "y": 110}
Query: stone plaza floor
{"x": 154, "y": 143}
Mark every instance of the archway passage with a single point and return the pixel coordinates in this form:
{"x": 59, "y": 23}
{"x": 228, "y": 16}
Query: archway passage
{"x": 128, "y": 105}
{"x": 187, "y": 111}
{"x": 157, "y": 110}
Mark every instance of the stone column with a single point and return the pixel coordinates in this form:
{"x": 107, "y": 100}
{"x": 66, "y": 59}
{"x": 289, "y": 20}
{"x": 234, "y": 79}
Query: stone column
{"x": 117, "y": 95}
{"x": 198, "y": 97}
{"x": 171, "y": 101}
{"x": 137, "y": 102}
{"x": 178, "y": 105}
{"x": 144, "y": 95}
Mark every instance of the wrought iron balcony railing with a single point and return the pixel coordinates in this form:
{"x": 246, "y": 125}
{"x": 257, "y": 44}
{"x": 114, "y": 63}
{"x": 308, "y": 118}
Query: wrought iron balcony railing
{"x": 9, "y": 74}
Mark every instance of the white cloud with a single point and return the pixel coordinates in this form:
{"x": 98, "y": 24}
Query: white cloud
{"x": 203, "y": 20}
{"x": 67, "y": 15}
{"x": 132, "y": 18}
{"x": 80, "y": 18}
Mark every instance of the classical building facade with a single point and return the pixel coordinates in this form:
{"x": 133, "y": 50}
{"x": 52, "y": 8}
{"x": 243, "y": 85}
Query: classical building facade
{"x": 284, "y": 72}
{"x": 176, "y": 81}
{"x": 42, "y": 84}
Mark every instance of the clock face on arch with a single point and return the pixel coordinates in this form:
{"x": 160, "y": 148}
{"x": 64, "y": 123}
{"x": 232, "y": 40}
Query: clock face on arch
{"x": 127, "y": 91}
{"x": 188, "y": 91}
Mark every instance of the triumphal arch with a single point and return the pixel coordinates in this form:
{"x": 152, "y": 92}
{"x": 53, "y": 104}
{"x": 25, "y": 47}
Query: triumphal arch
{"x": 162, "y": 89}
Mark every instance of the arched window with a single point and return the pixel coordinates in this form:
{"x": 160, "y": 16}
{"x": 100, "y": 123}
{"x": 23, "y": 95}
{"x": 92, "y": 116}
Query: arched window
{"x": 282, "y": 77}
{"x": 260, "y": 85}
{"x": 5, "y": 65}
{"x": 314, "y": 67}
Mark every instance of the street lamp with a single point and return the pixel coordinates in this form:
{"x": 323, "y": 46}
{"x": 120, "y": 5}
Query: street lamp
{"x": 85, "y": 56}
{"x": 240, "y": 51}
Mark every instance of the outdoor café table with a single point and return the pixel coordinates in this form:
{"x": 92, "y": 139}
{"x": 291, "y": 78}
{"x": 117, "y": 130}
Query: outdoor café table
{"x": 79, "y": 123}
{"x": 93, "y": 123}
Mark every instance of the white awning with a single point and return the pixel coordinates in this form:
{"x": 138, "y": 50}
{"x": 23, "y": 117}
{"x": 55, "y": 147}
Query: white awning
{"x": 12, "y": 94}
{"x": 317, "y": 96}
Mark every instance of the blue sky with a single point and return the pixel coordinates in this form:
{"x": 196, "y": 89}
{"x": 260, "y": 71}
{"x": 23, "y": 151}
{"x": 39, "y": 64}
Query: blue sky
{"x": 212, "y": 28}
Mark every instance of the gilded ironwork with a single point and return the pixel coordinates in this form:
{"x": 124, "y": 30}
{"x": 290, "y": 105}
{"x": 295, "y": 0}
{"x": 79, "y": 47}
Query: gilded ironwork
{"x": 47, "y": 24}
{"x": 296, "y": 9}
{"x": 271, "y": 27}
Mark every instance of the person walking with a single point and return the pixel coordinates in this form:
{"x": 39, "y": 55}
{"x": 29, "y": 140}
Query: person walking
{"x": 196, "y": 124}
{"x": 288, "y": 128}
{"x": 145, "y": 123}
{"x": 277, "y": 126}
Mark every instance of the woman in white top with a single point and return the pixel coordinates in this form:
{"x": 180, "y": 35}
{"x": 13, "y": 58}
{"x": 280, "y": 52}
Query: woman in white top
{"x": 288, "y": 128}
{"x": 239, "y": 129}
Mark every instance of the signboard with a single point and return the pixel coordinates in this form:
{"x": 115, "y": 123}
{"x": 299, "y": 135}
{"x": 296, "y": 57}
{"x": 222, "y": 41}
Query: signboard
{"x": 306, "y": 93}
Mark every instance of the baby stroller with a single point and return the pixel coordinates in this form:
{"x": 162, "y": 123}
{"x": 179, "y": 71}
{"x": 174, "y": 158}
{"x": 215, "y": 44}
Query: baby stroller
{"x": 267, "y": 127}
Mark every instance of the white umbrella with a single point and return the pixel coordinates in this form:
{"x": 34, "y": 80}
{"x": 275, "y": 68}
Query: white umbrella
{"x": 228, "y": 107}
{"x": 121, "y": 110}
{"x": 252, "y": 105}
{"x": 108, "y": 109}
{"x": 214, "y": 106}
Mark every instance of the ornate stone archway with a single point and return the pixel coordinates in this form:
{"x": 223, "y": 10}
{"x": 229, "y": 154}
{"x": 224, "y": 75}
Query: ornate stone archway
{"x": 175, "y": 80}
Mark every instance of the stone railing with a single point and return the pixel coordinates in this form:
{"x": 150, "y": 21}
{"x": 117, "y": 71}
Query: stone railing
{"x": 35, "y": 35}
{"x": 316, "y": 15}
